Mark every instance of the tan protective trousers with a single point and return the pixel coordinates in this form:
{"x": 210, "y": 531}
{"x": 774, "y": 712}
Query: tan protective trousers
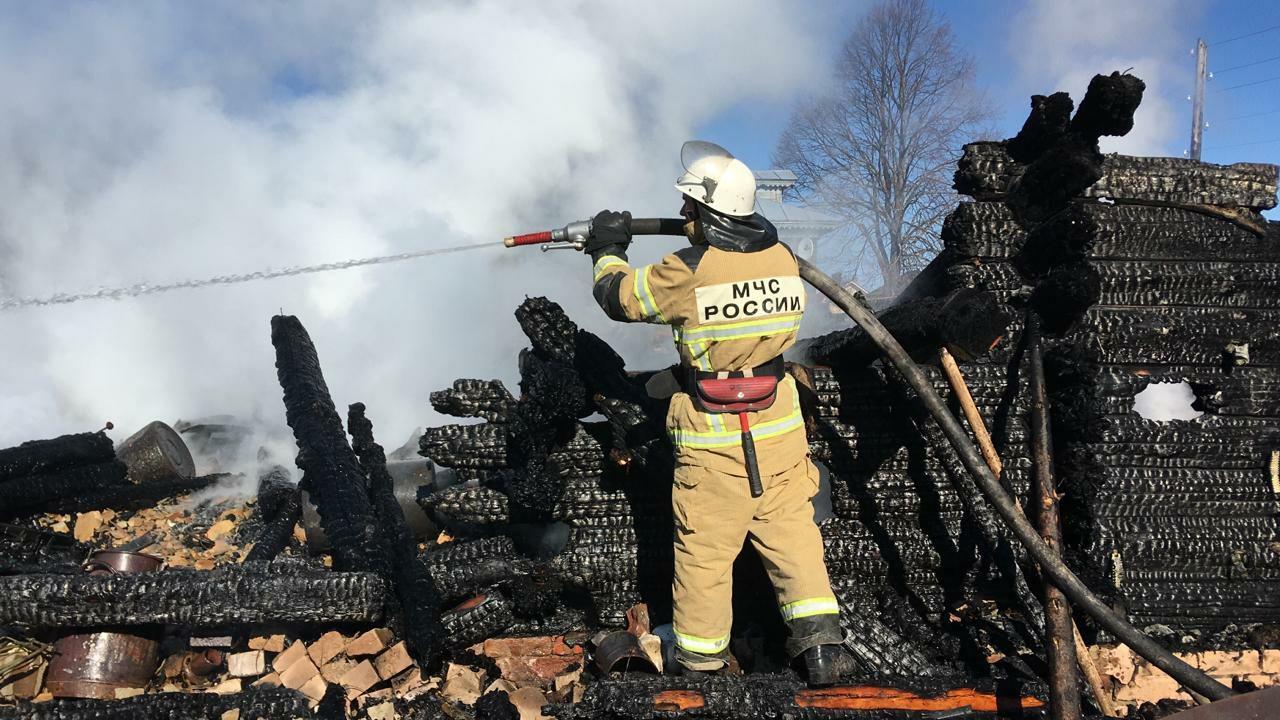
{"x": 714, "y": 514}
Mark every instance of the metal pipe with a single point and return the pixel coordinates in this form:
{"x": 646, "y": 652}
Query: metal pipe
{"x": 1060, "y": 649}
{"x": 1051, "y": 566}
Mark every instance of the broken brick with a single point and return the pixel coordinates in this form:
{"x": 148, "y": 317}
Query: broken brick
{"x": 327, "y": 647}
{"x": 393, "y": 661}
{"x": 369, "y": 643}
{"x": 360, "y": 678}
{"x": 246, "y": 664}
{"x": 292, "y": 654}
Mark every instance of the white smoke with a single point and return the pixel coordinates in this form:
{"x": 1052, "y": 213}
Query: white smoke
{"x": 1062, "y": 45}
{"x": 169, "y": 141}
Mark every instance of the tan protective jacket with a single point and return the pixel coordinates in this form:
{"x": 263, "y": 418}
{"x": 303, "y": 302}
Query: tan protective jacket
{"x": 728, "y": 311}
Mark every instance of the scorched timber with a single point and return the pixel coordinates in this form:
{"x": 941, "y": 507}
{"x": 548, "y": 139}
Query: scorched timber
{"x": 987, "y": 171}
{"x": 266, "y": 703}
{"x": 760, "y": 696}
{"x": 131, "y": 496}
{"x": 331, "y": 472}
{"x": 464, "y": 567}
{"x": 280, "y": 504}
{"x": 416, "y": 595}
{"x": 28, "y": 550}
{"x": 32, "y": 494}
{"x": 43, "y": 456}
{"x": 231, "y": 595}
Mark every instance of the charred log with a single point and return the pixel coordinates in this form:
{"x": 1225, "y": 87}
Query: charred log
{"x": 28, "y": 550}
{"x": 487, "y": 399}
{"x": 265, "y": 703}
{"x": 986, "y": 171}
{"x": 229, "y": 595}
{"x": 331, "y": 471}
{"x": 45, "y": 456}
{"x": 280, "y": 507}
{"x": 483, "y": 616}
{"x": 35, "y": 493}
{"x": 969, "y": 321}
{"x": 465, "y": 506}
{"x": 418, "y": 600}
{"x": 463, "y": 568}
{"x": 725, "y": 697}
{"x": 131, "y": 496}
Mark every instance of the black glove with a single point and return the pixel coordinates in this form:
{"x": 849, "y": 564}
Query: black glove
{"x": 610, "y": 235}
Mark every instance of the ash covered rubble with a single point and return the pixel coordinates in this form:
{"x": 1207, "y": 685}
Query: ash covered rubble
{"x": 549, "y": 522}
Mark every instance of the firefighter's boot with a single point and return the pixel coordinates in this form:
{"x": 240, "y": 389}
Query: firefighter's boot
{"x": 826, "y": 664}
{"x": 815, "y": 641}
{"x": 692, "y": 663}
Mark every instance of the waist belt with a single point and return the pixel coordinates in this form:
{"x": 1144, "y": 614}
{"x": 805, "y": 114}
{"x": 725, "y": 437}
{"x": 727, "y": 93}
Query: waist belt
{"x": 740, "y": 392}
{"x": 737, "y": 391}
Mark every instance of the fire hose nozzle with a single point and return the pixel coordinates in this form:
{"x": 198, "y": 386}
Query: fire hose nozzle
{"x": 574, "y": 235}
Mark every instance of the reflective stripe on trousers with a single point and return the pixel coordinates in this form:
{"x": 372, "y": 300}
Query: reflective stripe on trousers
{"x": 810, "y": 607}
{"x": 700, "y": 645}
{"x": 729, "y": 437}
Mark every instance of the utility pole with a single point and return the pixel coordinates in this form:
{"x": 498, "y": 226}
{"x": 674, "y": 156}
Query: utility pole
{"x": 1197, "y": 103}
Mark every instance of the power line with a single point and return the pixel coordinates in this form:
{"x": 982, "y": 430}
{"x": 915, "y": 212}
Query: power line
{"x": 1246, "y": 35}
{"x": 1238, "y": 67}
{"x": 1248, "y": 144}
{"x": 1246, "y": 117}
{"x": 1250, "y": 84}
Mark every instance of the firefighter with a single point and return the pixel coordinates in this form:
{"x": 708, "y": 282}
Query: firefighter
{"x": 734, "y": 301}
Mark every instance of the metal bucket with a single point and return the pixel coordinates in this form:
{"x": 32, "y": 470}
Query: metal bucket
{"x": 406, "y": 477}
{"x": 95, "y": 665}
{"x": 156, "y": 453}
{"x": 620, "y": 651}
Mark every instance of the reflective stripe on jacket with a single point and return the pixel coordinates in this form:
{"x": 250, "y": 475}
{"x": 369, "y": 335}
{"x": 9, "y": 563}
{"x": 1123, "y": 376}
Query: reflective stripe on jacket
{"x": 728, "y": 311}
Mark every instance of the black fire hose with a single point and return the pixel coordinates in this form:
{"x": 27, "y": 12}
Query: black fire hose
{"x": 1050, "y": 565}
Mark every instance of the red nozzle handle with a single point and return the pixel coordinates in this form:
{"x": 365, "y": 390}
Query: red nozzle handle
{"x": 528, "y": 239}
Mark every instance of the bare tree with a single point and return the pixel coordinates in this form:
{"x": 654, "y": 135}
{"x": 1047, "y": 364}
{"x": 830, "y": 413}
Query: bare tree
{"x": 879, "y": 150}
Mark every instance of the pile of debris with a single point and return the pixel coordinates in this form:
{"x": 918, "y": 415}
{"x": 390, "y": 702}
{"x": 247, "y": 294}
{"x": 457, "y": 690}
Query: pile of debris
{"x": 524, "y": 570}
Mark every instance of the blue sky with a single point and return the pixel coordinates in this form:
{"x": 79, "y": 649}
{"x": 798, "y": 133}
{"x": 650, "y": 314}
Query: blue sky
{"x": 1244, "y": 122}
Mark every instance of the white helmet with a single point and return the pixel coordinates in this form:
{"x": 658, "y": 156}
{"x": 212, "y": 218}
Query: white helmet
{"x": 717, "y": 179}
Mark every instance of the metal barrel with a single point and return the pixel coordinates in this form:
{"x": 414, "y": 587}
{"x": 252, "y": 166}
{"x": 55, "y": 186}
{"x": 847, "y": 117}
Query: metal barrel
{"x": 621, "y": 651}
{"x": 156, "y": 453}
{"x": 95, "y": 665}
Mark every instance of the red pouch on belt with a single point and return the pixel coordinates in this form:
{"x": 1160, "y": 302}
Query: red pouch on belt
{"x": 737, "y": 394}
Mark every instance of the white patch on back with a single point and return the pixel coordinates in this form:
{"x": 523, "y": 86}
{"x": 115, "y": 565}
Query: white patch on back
{"x": 750, "y": 299}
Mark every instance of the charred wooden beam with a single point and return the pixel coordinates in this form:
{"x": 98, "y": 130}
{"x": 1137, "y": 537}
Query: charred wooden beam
{"x": 968, "y": 321}
{"x": 280, "y": 508}
{"x": 31, "y": 494}
{"x": 44, "y": 456}
{"x": 418, "y": 600}
{"x": 986, "y": 171}
{"x": 228, "y": 595}
{"x": 476, "y": 619}
{"x": 779, "y": 696}
{"x": 28, "y": 550}
{"x": 465, "y": 567}
{"x": 265, "y": 703}
{"x": 331, "y": 471}
{"x": 488, "y": 399}
{"x": 131, "y": 496}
